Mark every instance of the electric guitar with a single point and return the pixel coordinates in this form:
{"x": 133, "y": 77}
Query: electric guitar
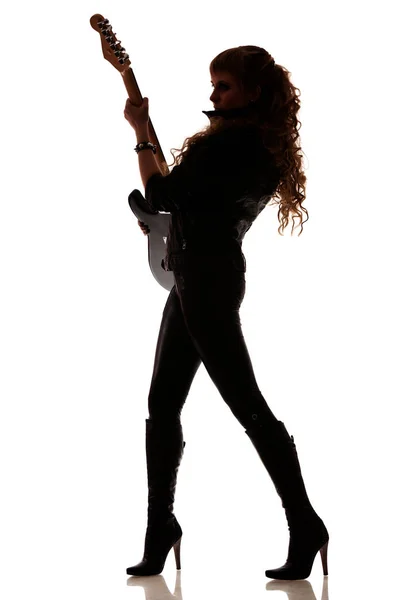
{"x": 158, "y": 222}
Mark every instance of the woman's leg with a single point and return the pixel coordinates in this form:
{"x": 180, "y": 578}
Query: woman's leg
{"x": 175, "y": 364}
{"x": 210, "y": 305}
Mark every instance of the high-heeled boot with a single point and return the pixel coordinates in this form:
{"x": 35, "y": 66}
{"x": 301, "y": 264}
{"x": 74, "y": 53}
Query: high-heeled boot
{"x": 164, "y": 450}
{"x": 308, "y": 533}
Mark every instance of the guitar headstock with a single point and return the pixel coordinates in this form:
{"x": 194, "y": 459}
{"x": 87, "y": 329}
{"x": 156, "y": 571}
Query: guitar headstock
{"x": 112, "y": 49}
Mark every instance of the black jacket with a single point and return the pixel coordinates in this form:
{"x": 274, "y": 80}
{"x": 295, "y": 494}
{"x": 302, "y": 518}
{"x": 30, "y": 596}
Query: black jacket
{"x": 214, "y": 196}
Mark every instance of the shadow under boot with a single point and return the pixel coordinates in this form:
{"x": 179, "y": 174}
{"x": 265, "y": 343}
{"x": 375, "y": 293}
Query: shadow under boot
{"x": 308, "y": 534}
{"x": 164, "y": 451}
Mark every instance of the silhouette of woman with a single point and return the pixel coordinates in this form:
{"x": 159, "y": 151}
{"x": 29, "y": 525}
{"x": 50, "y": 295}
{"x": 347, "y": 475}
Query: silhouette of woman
{"x": 223, "y": 178}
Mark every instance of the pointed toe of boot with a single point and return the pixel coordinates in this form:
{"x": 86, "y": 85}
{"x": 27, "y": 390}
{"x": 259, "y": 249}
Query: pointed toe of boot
{"x": 144, "y": 568}
{"x": 301, "y": 566}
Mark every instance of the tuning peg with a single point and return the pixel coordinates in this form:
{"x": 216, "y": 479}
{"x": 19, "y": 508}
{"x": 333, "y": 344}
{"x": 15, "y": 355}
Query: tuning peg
{"x": 120, "y": 54}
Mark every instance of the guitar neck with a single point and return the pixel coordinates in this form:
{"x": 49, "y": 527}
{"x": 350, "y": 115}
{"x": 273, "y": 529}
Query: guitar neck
{"x": 136, "y": 98}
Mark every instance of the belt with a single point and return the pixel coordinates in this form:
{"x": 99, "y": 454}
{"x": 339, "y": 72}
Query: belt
{"x": 204, "y": 261}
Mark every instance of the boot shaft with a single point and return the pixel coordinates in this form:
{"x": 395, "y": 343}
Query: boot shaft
{"x": 164, "y": 451}
{"x": 277, "y": 451}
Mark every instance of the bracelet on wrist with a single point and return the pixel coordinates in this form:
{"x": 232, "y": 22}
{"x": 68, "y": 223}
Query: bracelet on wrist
{"x": 145, "y": 146}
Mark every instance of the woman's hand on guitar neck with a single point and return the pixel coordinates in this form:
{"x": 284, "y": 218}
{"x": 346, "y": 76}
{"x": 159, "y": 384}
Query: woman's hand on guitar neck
{"x": 144, "y": 227}
{"x": 137, "y": 116}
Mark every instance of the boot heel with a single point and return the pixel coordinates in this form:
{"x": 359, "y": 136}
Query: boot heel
{"x": 324, "y": 557}
{"x": 177, "y": 550}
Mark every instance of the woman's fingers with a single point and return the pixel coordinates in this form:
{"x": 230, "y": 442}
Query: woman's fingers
{"x": 144, "y": 227}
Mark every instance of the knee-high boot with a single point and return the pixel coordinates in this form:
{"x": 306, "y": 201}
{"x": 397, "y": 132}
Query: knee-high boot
{"x": 308, "y": 534}
{"x": 164, "y": 450}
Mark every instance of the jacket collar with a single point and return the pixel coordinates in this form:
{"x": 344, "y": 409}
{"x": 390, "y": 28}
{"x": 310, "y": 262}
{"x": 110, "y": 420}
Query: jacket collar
{"x": 230, "y": 113}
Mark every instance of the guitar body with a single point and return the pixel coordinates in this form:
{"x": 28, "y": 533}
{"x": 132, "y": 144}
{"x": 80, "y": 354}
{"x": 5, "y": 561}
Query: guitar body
{"x": 158, "y": 224}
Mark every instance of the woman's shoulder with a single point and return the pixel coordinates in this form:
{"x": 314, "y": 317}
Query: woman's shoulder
{"x": 230, "y": 140}
{"x": 237, "y": 132}
{"x": 237, "y": 146}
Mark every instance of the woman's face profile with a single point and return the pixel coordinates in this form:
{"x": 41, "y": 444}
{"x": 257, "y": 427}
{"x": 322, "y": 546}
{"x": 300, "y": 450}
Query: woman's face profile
{"x": 227, "y": 92}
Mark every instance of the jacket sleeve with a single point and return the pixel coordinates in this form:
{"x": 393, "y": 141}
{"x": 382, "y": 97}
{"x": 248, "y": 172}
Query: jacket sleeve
{"x": 210, "y": 169}
{"x": 167, "y": 192}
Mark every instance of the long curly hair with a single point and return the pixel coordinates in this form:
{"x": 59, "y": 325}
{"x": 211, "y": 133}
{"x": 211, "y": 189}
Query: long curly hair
{"x": 275, "y": 113}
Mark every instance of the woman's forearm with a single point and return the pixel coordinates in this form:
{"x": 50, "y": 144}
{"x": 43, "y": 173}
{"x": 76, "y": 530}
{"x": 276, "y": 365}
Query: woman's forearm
{"x": 147, "y": 159}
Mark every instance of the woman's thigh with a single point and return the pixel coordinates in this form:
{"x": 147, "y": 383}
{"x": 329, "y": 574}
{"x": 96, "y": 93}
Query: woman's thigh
{"x": 175, "y": 364}
{"x": 210, "y": 305}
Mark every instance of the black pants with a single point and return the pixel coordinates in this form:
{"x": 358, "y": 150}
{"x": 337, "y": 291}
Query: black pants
{"x": 201, "y": 323}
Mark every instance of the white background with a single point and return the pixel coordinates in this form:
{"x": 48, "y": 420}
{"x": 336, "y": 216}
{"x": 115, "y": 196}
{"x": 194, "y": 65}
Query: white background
{"x": 80, "y": 310}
